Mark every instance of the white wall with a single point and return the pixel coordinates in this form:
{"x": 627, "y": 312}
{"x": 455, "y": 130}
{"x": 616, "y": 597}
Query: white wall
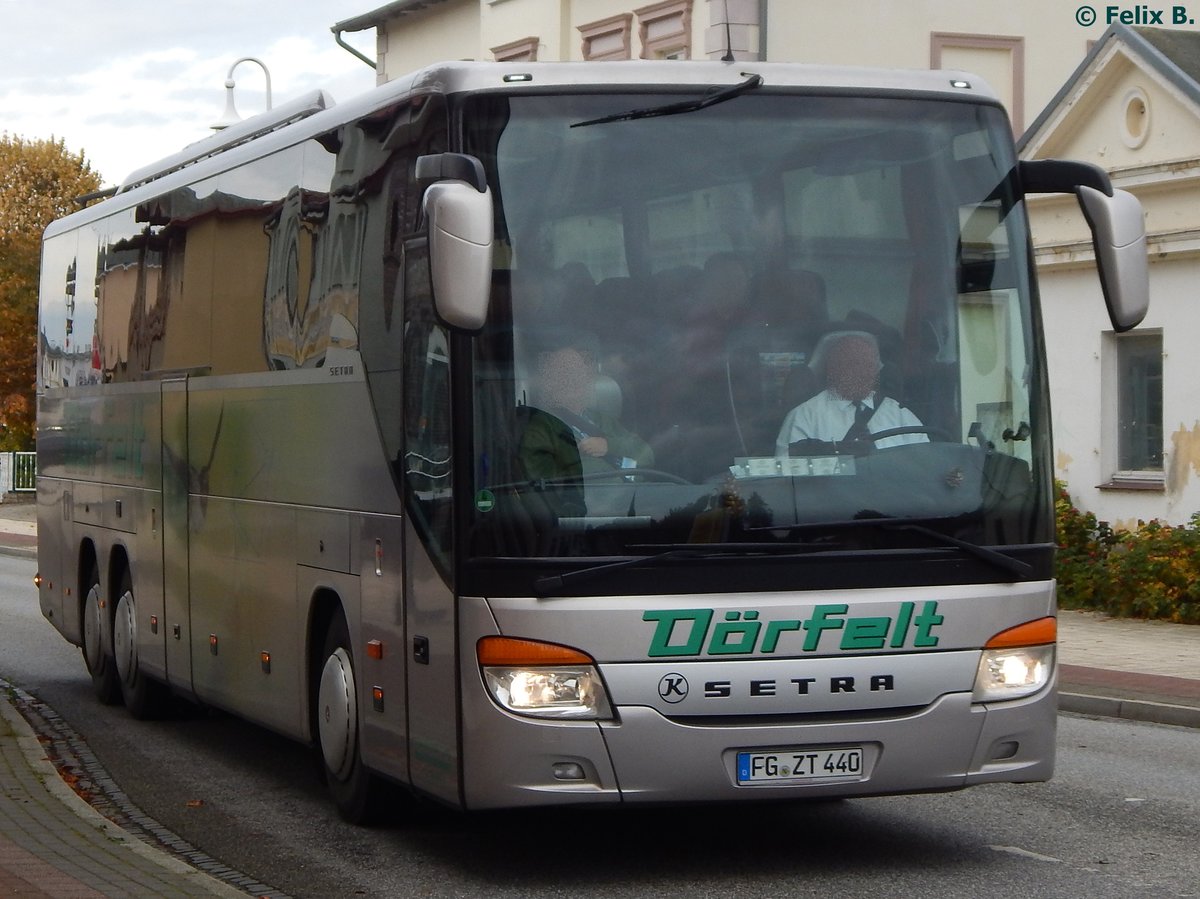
{"x": 447, "y": 31}
{"x": 1083, "y": 394}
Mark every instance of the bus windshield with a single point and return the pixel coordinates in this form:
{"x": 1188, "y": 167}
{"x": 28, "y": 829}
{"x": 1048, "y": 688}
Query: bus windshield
{"x": 775, "y": 320}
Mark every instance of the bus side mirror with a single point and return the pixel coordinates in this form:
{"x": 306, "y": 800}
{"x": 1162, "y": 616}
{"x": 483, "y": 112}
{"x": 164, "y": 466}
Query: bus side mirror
{"x": 1119, "y": 238}
{"x": 459, "y": 213}
{"x": 1117, "y": 226}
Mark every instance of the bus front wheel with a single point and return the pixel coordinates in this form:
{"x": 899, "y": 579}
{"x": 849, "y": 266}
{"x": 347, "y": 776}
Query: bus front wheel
{"x": 355, "y": 791}
{"x": 100, "y": 664}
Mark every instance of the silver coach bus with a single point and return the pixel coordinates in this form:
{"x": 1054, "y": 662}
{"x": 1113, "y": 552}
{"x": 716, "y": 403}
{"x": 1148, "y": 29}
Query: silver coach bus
{"x": 477, "y": 431}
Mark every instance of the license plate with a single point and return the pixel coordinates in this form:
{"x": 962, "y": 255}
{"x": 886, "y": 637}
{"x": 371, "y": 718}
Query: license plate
{"x": 799, "y": 765}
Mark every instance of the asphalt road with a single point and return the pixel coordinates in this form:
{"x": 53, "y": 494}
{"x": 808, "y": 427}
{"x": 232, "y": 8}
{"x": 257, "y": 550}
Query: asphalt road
{"x": 1121, "y": 818}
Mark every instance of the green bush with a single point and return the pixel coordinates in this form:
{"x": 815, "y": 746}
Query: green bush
{"x": 1083, "y": 545}
{"x": 1150, "y": 572}
{"x": 1154, "y": 572}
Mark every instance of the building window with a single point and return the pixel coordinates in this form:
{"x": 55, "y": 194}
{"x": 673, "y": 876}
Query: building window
{"x": 1000, "y": 61}
{"x": 608, "y": 38}
{"x": 665, "y": 30}
{"x": 524, "y": 50}
{"x": 1140, "y": 403}
{"x": 1134, "y": 442}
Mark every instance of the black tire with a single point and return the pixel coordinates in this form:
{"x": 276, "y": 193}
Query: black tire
{"x": 97, "y": 651}
{"x": 357, "y": 793}
{"x": 144, "y": 697}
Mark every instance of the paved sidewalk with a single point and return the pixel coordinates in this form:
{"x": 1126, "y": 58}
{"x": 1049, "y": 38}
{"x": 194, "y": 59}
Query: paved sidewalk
{"x": 18, "y": 526}
{"x": 1122, "y": 668}
{"x": 52, "y": 843}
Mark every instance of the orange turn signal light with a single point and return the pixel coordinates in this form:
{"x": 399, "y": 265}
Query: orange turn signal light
{"x": 1032, "y": 633}
{"x": 512, "y": 652}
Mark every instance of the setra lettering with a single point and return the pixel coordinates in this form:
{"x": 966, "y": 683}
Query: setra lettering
{"x": 724, "y": 689}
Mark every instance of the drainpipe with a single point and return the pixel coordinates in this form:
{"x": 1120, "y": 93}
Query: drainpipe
{"x": 762, "y": 29}
{"x": 337, "y": 36}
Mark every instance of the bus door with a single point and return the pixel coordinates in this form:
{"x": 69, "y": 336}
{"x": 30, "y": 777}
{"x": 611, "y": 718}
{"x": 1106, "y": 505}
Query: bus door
{"x": 175, "y": 487}
{"x": 429, "y": 600}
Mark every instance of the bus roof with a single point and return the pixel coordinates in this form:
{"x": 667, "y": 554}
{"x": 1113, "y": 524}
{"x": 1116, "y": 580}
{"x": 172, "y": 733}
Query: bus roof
{"x": 316, "y": 113}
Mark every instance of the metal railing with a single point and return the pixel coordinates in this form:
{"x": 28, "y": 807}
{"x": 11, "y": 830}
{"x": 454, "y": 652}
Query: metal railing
{"x": 18, "y": 473}
{"x": 24, "y": 472}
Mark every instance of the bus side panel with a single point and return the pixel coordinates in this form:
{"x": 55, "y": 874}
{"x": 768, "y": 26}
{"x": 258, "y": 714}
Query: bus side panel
{"x": 433, "y": 716}
{"x": 176, "y": 598}
{"x": 281, "y": 465}
{"x": 57, "y": 576}
{"x": 99, "y": 478}
{"x": 136, "y": 532}
{"x": 381, "y": 575}
{"x": 243, "y": 603}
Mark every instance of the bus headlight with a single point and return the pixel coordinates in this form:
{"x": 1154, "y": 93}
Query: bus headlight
{"x": 542, "y": 680}
{"x": 1017, "y": 662}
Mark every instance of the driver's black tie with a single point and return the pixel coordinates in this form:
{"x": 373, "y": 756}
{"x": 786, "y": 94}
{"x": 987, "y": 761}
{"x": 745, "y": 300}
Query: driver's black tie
{"x": 859, "y": 430}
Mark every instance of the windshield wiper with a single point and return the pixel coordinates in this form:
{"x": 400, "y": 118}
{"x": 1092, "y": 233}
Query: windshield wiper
{"x": 984, "y": 553}
{"x": 710, "y": 99}
{"x": 671, "y": 551}
{"x": 999, "y": 559}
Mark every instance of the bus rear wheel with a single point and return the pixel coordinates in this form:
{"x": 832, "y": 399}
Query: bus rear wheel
{"x": 143, "y": 697}
{"x": 100, "y": 664}
{"x": 356, "y": 792}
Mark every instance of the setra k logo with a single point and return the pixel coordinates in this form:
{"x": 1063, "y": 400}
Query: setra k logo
{"x": 673, "y": 688}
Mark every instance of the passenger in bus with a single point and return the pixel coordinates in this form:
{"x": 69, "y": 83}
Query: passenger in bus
{"x": 842, "y": 417}
{"x": 566, "y": 437}
{"x": 694, "y": 430}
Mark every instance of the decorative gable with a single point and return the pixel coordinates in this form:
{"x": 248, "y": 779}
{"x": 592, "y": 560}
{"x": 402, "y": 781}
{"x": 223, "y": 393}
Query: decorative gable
{"x": 1132, "y": 108}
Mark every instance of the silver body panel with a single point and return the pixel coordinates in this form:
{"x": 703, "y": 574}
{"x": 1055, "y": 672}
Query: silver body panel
{"x": 911, "y": 712}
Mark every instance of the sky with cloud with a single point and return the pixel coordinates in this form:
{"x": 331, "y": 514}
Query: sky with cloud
{"x": 128, "y": 82}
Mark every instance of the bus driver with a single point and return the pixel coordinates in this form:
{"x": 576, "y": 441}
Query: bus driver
{"x": 850, "y": 408}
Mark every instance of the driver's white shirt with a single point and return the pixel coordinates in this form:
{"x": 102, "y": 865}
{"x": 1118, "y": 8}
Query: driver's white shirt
{"x": 828, "y": 417}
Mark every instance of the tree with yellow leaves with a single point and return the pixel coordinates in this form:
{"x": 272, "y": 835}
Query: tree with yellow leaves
{"x": 39, "y": 182}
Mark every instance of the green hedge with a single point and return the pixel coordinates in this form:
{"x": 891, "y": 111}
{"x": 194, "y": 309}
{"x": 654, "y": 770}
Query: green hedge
{"x": 1152, "y": 571}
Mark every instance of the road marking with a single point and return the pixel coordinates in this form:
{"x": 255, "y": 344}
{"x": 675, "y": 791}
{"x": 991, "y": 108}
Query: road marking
{"x": 1025, "y": 853}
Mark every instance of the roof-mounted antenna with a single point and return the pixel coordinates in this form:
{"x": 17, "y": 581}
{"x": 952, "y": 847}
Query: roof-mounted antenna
{"x": 728, "y": 57}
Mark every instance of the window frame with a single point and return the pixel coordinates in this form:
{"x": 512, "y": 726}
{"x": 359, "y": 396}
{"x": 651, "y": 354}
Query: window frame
{"x": 522, "y": 50}
{"x": 940, "y": 42}
{"x": 620, "y": 26}
{"x": 1119, "y": 353}
{"x": 669, "y": 44}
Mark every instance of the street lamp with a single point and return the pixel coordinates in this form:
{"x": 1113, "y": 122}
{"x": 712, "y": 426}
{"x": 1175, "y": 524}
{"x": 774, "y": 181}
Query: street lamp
{"x": 230, "y": 116}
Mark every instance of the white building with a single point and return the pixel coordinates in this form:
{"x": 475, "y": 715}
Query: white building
{"x": 1126, "y": 407}
{"x": 1127, "y": 416}
{"x": 1025, "y": 49}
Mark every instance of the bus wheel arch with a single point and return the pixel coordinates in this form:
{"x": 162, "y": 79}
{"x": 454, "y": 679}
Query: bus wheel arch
{"x": 95, "y": 628}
